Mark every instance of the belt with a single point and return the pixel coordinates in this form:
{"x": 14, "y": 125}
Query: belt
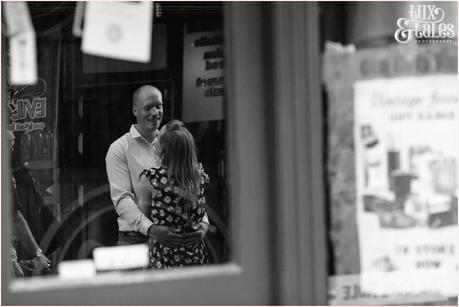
{"x": 132, "y": 234}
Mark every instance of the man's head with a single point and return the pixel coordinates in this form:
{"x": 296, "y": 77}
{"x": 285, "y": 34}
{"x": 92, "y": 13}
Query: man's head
{"x": 147, "y": 107}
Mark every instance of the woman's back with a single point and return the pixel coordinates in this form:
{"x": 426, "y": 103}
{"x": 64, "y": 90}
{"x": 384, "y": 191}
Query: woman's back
{"x": 169, "y": 208}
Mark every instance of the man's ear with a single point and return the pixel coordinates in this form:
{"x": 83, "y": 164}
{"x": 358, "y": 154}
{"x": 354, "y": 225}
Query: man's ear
{"x": 134, "y": 110}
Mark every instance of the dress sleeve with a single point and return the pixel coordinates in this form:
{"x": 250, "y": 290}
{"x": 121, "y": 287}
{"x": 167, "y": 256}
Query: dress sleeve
{"x": 204, "y": 177}
{"x": 152, "y": 175}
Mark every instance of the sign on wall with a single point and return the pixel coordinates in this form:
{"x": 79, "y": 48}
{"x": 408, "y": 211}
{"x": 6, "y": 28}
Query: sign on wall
{"x": 406, "y": 145}
{"x": 203, "y": 81}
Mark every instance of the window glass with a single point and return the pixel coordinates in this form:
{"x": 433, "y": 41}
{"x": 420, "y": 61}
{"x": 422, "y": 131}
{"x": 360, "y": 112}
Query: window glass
{"x": 64, "y": 123}
{"x": 392, "y": 143}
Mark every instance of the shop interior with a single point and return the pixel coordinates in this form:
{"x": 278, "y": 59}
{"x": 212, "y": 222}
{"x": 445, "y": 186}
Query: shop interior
{"x": 83, "y": 102}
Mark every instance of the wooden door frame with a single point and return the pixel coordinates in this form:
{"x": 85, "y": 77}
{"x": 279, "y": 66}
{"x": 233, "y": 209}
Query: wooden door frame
{"x": 298, "y": 153}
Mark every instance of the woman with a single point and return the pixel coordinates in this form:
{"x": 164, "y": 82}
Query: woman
{"x": 178, "y": 197}
{"x": 23, "y": 235}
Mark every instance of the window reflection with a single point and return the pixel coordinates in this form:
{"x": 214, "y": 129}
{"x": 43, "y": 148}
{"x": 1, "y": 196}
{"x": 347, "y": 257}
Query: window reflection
{"x": 64, "y": 124}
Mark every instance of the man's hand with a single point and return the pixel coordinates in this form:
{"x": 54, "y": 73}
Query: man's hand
{"x": 41, "y": 263}
{"x": 194, "y": 238}
{"x": 166, "y": 235}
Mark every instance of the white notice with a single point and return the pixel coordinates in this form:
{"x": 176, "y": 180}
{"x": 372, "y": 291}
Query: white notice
{"x": 121, "y": 257}
{"x": 119, "y": 30}
{"x": 23, "y": 54}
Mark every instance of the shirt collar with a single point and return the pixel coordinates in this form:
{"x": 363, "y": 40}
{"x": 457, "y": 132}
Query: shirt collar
{"x": 136, "y": 134}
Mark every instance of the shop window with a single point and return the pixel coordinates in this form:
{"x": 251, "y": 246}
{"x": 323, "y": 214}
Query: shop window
{"x": 392, "y": 146}
{"x": 64, "y": 124}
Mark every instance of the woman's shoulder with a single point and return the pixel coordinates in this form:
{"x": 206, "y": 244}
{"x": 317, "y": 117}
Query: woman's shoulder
{"x": 155, "y": 170}
{"x": 153, "y": 173}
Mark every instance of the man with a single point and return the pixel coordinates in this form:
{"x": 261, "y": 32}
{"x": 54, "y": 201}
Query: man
{"x": 126, "y": 158}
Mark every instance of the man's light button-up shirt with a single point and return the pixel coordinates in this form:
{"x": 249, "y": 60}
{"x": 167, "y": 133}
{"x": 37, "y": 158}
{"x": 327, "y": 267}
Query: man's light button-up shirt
{"x": 126, "y": 158}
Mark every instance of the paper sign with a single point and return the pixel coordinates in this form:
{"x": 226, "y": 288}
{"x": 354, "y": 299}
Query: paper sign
{"x": 203, "y": 80}
{"x": 23, "y": 54}
{"x": 406, "y": 143}
{"x": 75, "y": 269}
{"x": 121, "y": 257}
{"x": 119, "y": 30}
{"x": 389, "y": 288}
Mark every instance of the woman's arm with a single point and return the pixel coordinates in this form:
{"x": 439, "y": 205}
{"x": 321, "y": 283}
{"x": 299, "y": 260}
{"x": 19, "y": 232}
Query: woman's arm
{"x": 23, "y": 233}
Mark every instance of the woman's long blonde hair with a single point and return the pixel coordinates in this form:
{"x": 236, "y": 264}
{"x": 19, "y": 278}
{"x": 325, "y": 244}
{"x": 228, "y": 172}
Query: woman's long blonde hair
{"x": 178, "y": 154}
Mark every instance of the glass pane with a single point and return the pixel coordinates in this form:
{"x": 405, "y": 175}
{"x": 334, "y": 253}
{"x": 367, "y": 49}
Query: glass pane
{"x": 392, "y": 147}
{"x": 82, "y": 102}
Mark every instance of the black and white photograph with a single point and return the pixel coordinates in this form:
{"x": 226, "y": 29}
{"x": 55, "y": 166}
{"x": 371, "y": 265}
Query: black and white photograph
{"x": 229, "y": 153}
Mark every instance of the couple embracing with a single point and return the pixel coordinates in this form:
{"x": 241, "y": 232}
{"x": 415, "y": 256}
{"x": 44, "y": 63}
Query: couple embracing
{"x": 157, "y": 186}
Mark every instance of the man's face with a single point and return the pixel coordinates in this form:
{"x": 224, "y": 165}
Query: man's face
{"x": 149, "y": 111}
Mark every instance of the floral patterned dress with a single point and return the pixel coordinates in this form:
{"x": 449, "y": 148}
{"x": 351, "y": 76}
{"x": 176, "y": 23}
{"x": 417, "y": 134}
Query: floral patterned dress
{"x": 169, "y": 209}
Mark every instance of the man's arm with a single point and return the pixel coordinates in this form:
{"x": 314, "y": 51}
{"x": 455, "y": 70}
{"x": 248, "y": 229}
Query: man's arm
{"x": 121, "y": 193}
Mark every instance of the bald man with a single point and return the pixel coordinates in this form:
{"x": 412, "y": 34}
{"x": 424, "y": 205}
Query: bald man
{"x": 125, "y": 159}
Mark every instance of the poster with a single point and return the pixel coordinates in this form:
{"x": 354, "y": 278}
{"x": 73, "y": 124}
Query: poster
{"x": 203, "y": 81}
{"x": 406, "y": 145}
{"x": 394, "y": 288}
